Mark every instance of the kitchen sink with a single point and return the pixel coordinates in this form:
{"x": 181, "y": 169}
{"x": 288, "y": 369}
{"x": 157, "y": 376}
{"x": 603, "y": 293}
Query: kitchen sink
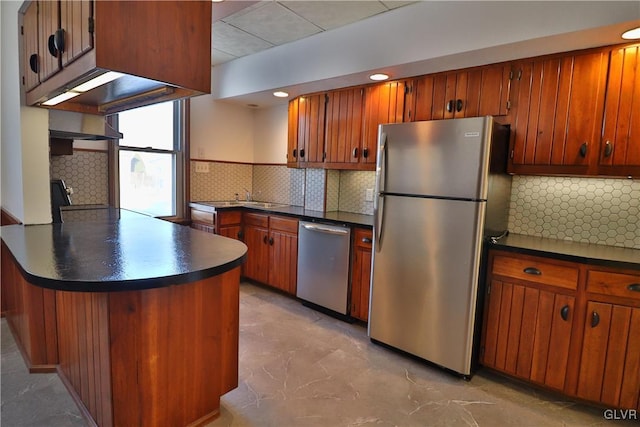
{"x": 248, "y": 204}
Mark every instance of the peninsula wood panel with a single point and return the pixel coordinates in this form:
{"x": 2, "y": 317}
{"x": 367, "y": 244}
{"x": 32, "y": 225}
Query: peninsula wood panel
{"x": 31, "y": 315}
{"x": 154, "y": 357}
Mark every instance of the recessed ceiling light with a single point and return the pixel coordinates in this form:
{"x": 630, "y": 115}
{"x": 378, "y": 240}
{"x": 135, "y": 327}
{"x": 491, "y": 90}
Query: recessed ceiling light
{"x": 280, "y": 94}
{"x": 378, "y": 77}
{"x": 631, "y": 34}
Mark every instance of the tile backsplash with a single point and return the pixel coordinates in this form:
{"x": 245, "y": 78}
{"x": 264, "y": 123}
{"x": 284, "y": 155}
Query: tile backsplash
{"x": 590, "y": 210}
{"x": 86, "y": 172}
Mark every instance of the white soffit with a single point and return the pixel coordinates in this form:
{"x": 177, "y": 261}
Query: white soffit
{"x": 421, "y": 38}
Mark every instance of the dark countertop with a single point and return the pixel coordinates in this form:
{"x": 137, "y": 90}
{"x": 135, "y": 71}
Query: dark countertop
{"x": 609, "y": 256}
{"x": 348, "y": 218}
{"x": 117, "y": 250}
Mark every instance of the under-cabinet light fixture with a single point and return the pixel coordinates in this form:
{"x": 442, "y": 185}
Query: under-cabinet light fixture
{"x": 280, "y": 94}
{"x": 632, "y": 34}
{"x": 84, "y": 87}
{"x": 378, "y": 77}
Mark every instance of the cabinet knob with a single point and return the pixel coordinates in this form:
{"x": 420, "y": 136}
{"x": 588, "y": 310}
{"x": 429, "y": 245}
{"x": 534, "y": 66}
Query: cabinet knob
{"x": 459, "y": 105}
{"x": 302, "y": 153}
{"x": 295, "y": 153}
{"x": 271, "y": 241}
{"x": 532, "y": 270}
{"x": 608, "y": 148}
{"x": 564, "y": 312}
{"x": 264, "y": 240}
{"x": 366, "y": 240}
{"x": 450, "y": 106}
{"x": 240, "y": 234}
{"x": 583, "y": 150}
{"x": 355, "y": 152}
{"x": 365, "y": 152}
{"x": 58, "y": 40}
{"x": 33, "y": 62}
{"x": 51, "y": 45}
{"x": 595, "y": 319}
{"x": 634, "y": 287}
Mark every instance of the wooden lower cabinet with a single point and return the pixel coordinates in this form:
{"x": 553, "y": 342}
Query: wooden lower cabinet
{"x": 361, "y": 273}
{"x": 229, "y": 224}
{"x": 569, "y": 327}
{"x": 272, "y": 257}
{"x": 528, "y": 325}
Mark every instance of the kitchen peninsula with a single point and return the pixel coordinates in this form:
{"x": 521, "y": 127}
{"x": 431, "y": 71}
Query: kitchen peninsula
{"x": 138, "y": 316}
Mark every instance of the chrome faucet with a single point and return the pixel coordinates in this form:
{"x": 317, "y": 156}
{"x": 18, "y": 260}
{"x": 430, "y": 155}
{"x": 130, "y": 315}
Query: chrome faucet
{"x": 247, "y": 195}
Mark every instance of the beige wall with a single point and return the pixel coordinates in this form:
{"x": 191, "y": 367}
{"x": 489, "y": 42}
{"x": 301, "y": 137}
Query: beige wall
{"x": 270, "y": 133}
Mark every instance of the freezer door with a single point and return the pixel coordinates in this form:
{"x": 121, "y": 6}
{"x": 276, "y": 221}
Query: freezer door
{"x": 425, "y": 278}
{"x": 447, "y": 158}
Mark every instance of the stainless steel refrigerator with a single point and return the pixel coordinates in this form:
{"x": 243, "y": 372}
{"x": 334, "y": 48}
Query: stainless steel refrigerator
{"x": 440, "y": 187}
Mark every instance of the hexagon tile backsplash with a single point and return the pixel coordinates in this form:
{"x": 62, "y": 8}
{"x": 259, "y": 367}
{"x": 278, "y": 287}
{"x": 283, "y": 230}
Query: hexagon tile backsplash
{"x": 86, "y": 172}
{"x": 589, "y": 210}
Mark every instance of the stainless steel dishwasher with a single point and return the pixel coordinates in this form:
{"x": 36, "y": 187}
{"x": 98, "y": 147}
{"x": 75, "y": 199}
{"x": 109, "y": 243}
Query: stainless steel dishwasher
{"x": 323, "y": 265}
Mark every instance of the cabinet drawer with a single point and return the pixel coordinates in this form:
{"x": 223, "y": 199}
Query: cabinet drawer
{"x": 536, "y": 270}
{"x": 258, "y": 220}
{"x": 229, "y": 218}
{"x": 201, "y": 216}
{"x": 616, "y": 284}
{"x": 289, "y": 225}
{"x": 362, "y": 237}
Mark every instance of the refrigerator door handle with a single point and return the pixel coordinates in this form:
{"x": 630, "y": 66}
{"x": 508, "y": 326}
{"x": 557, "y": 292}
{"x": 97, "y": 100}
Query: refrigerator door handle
{"x": 378, "y": 208}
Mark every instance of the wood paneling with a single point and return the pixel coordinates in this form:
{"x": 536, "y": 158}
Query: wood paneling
{"x": 292, "y": 134}
{"x": 343, "y": 136}
{"x": 31, "y": 315}
{"x": 155, "y": 357}
{"x": 311, "y": 128}
{"x": 75, "y": 18}
{"x": 30, "y": 78}
{"x": 361, "y": 273}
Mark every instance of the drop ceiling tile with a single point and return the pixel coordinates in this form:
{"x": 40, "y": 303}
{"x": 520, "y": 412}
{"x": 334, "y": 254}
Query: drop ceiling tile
{"x": 273, "y": 23}
{"x": 396, "y": 4}
{"x": 233, "y": 41}
{"x": 334, "y": 14}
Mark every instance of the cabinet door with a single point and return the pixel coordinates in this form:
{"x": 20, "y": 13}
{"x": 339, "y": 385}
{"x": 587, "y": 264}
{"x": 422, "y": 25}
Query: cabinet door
{"x": 610, "y": 360}
{"x": 257, "y": 241}
{"x": 446, "y": 88}
{"x": 311, "y": 118}
{"x": 560, "y": 108}
{"x": 343, "y": 136}
{"x": 48, "y": 24}
{"x": 231, "y": 231}
{"x": 31, "y": 57}
{"x": 494, "y": 90}
{"x": 292, "y": 134}
{"x": 621, "y": 129}
{"x": 527, "y": 332}
{"x": 76, "y": 19}
{"x": 361, "y": 274}
{"x": 383, "y": 103}
{"x": 283, "y": 261}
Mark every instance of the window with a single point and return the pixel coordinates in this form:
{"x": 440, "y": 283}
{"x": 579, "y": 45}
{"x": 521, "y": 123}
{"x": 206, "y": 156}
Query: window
{"x": 151, "y": 159}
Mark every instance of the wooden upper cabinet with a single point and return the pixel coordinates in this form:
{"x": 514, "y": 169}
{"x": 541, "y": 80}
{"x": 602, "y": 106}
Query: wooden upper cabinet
{"x": 383, "y": 103}
{"x": 343, "y": 138}
{"x": 620, "y": 147}
{"x": 560, "y": 106}
{"x": 30, "y": 53}
{"x": 292, "y": 134}
{"x": 48, "y": 25}
{"x": 76, "y": 20}
{"x": 482, "y": 91}
{"x": 311, "y": 120}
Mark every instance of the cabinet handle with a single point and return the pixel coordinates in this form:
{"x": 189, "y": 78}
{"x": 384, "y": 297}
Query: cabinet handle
{"x": 355, "y": 152}
{"x": 450, "y": 106}
{"x": 58, "y": 40}
{"x": 564, "y": 312}
{"x": 51, "y": 45}
{"x": 595, "y": 319}
{"x": 583, "y": 150}
{"x": 271, "y": 241}
{"x": 240, "y": 234}
{"x": 532, "y": 270}
{"x": 366, "y": 240}
{"x": 459, "y": 105}
{"x": 608, "y": 149}
{"x": 264, "y": 240}
{"x": 634, "y": 287}
{"x": 365, "y": 152}
{"x": 295, "y": 153}
{"x": 33, "y": 62}
{"x": 302, "y": 153}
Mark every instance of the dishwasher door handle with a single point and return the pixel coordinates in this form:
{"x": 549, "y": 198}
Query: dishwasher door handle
{"x": 328, "y": 230}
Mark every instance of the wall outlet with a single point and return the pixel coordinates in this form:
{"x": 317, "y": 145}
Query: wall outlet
{"x": 368, "y": 195}
{"x": 202, "y": 167}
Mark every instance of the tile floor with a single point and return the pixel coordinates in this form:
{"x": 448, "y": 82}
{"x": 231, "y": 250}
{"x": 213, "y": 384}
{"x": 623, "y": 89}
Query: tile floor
{"x": 299, "y": 367}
